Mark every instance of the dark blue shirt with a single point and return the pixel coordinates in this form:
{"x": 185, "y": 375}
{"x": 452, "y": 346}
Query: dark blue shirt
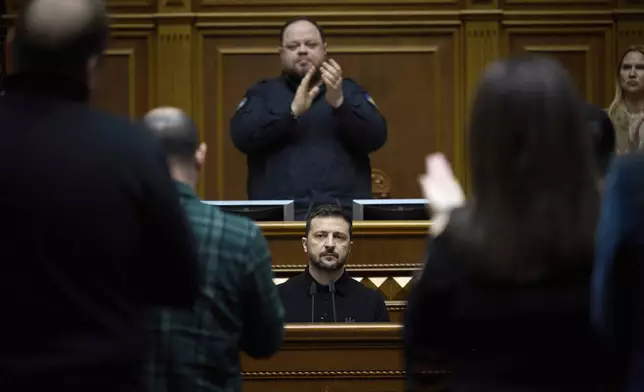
{"x": 322, "y": 156}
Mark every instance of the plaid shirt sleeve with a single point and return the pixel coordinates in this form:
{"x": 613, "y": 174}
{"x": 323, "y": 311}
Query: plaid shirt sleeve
{"x": 263, "y": 316}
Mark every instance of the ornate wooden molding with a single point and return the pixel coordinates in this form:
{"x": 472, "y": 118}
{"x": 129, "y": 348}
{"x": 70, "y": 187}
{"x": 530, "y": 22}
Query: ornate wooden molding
{"x": 174, "y": 5}
{"x": 325, "y": 374}
{"x": 392, "y": 267}
{"x": 380, "y": 374}
{"x": 370, "y": 228}
{"x": 174, "y": 66}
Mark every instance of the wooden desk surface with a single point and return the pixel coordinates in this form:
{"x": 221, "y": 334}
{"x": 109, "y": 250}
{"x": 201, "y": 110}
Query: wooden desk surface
{"x": 334, "y": 358}
{"x": 384, "y": 256}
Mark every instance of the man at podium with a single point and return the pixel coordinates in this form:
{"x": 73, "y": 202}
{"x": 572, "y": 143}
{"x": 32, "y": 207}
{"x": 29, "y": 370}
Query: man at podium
{"x": 324, "y": 292}
{"x": 308, "y": 133}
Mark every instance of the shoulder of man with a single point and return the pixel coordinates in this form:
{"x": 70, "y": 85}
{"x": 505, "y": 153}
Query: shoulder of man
{"x": 262, "y": 88}
{"x": 350, "y": 86}
{"x": 123, "y": 134}
{"x": 240, "y": 236}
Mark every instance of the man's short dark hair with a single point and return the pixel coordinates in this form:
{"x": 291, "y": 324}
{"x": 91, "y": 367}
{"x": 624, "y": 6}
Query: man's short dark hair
{"x": 301, "y": 19}
{"x": 603, "y": 136}
{"x": 62, "y": 43}
{"x": 328, "y": 210}
{"x": 177, "y": 132}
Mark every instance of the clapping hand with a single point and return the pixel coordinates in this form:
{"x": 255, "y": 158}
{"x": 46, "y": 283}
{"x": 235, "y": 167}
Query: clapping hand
{"x": 332, "y": 78}
{"x": 304, "y": 94}
{"x": 441, "y": 189}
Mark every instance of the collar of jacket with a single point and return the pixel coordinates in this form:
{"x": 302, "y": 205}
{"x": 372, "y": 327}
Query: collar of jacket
{"x": 340, "y": 284}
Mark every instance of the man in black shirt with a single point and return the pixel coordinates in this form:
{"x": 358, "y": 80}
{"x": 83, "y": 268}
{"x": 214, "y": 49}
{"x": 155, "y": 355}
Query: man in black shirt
{"x": 325, "y": 292}
{"x": 308, "y": 133}
{"x": 93, "y": 231}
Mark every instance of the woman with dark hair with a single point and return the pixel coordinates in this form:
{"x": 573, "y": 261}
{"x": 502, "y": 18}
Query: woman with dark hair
{"x": 504, "y": 293}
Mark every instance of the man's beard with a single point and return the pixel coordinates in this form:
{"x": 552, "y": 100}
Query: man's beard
{"x": 296, "y": 77}
{"x": 319, "y": 264}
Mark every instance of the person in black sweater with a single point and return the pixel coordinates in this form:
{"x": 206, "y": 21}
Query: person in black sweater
{"x": 504, "y": 295}
{"x": 93, "y": 230}
{"x": 325, "y": 292}
{"x": 307, "y": 134}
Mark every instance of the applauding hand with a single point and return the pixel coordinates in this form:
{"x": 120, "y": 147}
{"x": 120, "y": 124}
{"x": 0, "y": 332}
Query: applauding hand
{"x": 304, "y": 95}
{"x": 332, "y": 78}
{"x": 441, "y": 189}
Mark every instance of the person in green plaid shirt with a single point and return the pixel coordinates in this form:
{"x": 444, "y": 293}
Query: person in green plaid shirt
{"x": 238, "y": 307}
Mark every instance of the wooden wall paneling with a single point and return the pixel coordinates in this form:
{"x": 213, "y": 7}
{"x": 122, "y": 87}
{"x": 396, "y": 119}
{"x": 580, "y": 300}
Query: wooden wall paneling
{"x": 125, "y": 82}
{"x": 630, "y": 4}
{"x": 482, "y": 4}
{"x": 410, "y": 71}
{"x": 175, "y": 65}
{"x": 584, "y": 47}
{"x": 482, "y": 35}
{"x": 630, "y": 31}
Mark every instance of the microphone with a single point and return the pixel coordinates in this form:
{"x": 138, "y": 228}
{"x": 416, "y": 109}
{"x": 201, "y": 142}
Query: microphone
{"x": 332, "y": 290}
{"x": 313, "y": 291}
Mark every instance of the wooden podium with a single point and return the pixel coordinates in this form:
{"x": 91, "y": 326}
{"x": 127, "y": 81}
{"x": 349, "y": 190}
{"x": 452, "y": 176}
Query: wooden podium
{"x": 385, "y": 255}
{"x": 336, "y": 358}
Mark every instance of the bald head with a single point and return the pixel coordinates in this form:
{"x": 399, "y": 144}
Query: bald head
{"x": 60, "y": 35}
{"x": 176, "y": 131}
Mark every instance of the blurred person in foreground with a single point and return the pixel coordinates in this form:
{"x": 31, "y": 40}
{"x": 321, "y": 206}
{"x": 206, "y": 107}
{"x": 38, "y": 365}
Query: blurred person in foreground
{"x": 238, "y": 308}
{"x": 603, "y": 138}
{"x": 504, "y": 293}
{"x": 93, "y": 229}
{"x": 617, "y": 290}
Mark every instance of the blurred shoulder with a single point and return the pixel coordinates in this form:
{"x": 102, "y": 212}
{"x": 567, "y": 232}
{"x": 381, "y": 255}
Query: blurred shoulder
{"x": 235, "y": 232}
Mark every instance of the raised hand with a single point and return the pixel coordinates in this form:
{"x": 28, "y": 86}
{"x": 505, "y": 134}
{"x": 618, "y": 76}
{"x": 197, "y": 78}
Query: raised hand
{"x": 304, "y": 94}
{"x": 332, "y": 78}
{"x": 439, "y": 186}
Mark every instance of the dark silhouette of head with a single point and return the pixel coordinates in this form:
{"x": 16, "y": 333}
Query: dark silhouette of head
{"x": 180, "y": 139}
{"x": 533, "y": 172}
{"x": 61, "y": 37}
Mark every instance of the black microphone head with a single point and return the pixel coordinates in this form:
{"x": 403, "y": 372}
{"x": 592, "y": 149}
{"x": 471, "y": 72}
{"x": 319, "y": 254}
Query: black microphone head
{"x": 332, "y": 286}
{"x": 314, "y": 289}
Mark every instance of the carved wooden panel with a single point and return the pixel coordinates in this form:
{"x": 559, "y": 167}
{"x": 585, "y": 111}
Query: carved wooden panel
{"x": 123, "y": 84}
{"x": 582, "y": 50}
{"x": 410, "y": 73}
{"x": 251, "y": 3}
{"x": 629, "y": 33}
{"x": 338, "y": 358}
{"x": 560, "y": 3}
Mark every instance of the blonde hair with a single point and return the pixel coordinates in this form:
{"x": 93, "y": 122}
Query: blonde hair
{"x": 619, "y": 94}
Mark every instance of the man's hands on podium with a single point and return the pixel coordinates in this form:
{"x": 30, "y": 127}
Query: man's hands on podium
{"x": 305, "y": 94}
{"x": 441, "y": 189}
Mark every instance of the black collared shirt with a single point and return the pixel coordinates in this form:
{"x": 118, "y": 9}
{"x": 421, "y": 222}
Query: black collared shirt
{"x": 354, "y": 303}
{"x": 322, "y": 156}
